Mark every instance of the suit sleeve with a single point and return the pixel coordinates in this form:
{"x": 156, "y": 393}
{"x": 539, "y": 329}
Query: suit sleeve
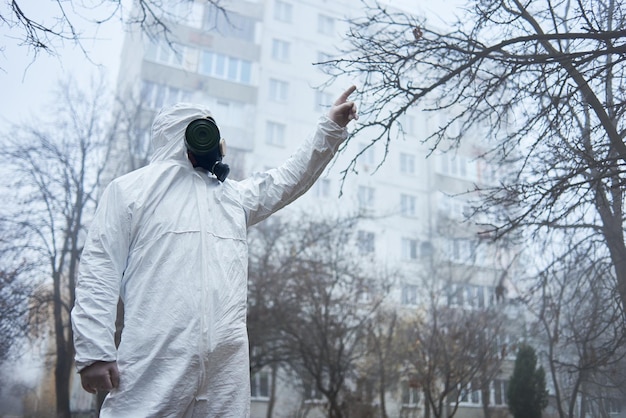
{"x": 102, "y": 266}
{"x": 265, "y": 193}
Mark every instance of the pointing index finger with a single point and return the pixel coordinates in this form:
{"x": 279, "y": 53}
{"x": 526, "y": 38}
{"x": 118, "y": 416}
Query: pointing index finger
{"x": 344, "y": 96}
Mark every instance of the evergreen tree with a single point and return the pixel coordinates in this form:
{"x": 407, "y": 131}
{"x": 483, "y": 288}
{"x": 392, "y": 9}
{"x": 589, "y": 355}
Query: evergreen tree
{"x": 527, "y": 394}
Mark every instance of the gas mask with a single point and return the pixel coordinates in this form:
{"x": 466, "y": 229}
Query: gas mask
{"x": 203, "y": 140}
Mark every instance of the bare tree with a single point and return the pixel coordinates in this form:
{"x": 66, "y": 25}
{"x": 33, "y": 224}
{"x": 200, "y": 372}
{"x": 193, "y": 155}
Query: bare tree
{"x": 381, "y": 367}
{"x": 16, "y": 286}
{"x": 47, "y": 28}
{"x": 541, "y": 81}
{"x": 133, "y": 147}
{"x": 15, "y": 293}
{"x": 265, "y": 242}
{"x": 580, "y": 319}
{"x": 55, "y": 165}
{"x": 311, "y": 296}
{"x": 451, "y": 354}
{"x": 451, "y": 334}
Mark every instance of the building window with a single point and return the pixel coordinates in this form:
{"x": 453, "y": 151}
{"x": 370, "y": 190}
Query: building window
{"x": 155, "y": 95}
{"x": 167, "y": 54}
{"x": 260, "y": 385}
{"x": 409, "y": 249}
{"x": 613, "y": 406}
{"x": 216, "y": 65}
{"x": 366, "y": 197}
{"x": 455, "y": 295}
{"x": 245, "y": 70}
{"x": 233, "y": 69}
{"x": 323, "y": 57}
{"x": 408, "y": 124}
{"x": 229, "y": 24}
{"x": 407, "y": 205}
{"x": 280, "y": 50}
{"x": 219, "y": 65}
{"x": 188, "y": 12}
{"x": 321, "y": 188}
{"x": 323, "y": 101}
{"x": 283, "y": 11}
{"x": 279, "y": 90}
{"x": 500, "y": 388}
{"x": 409, "y": 294}
{"x": 459, "y": 166}
{"x": 469, "y": 296}
{"x": 275, "y": 133}
{"x": 312, "y": 393}
{"x": 507, "y": 345}
{"x": 462, "y": 250}
{"x": 480, "y": 300}
{"x": 325, "y": 25}
{"x": 410, "y": 395}
{"x": 229, "y": 112}
{"x": 471, "y": 394}
{"x": 454, "y": 207}
{"x": 487, "y": 173}
{"x": 366, "y": 242}
{"x": 407, "y": 164}
{"x": 366, "y": 156}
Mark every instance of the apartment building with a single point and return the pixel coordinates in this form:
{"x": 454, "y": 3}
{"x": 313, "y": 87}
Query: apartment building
{"x": 255, "y": 67}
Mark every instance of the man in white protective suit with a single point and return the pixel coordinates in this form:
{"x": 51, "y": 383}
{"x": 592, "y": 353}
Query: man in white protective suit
{"x": 170, "y": 240}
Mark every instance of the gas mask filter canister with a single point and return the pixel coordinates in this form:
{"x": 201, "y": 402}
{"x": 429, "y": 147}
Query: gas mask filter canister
{"x": 203, "y": 140}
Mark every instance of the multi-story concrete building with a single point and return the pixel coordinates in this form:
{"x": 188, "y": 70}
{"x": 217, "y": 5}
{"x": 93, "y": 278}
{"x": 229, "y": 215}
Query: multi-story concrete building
{"x": 255, "y": 68}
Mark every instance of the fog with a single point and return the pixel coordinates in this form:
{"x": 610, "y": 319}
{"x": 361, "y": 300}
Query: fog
{"x": 28, "y": 80}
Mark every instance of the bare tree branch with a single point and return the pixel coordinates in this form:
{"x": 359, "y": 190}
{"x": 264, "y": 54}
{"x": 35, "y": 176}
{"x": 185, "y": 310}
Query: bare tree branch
{"x": 61, "y": 21}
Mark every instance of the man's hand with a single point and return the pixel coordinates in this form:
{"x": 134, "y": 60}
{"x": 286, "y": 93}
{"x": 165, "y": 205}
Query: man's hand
{"x": 101, "y": 375}
{"x": 343, "y": 111}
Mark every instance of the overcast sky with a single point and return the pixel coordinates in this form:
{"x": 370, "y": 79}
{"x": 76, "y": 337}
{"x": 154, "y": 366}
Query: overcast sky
{"x": 26, "y": 84}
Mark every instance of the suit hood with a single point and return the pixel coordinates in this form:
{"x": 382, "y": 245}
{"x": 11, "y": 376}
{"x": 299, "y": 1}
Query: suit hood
{"x": 168, "y": 130}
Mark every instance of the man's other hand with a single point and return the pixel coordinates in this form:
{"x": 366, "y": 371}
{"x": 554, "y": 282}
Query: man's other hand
{"x": 101, "y": 375}
{"x": 343, "y": 111}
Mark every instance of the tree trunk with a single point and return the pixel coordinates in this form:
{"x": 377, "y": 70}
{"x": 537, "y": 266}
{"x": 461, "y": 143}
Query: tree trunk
{"x": 426, "y": 404}
{"x": 62, "y": 370}
{"x": 381, "y": 391}
{"x": 64, "y": 353}
{"x": 618, "y": 255}
{"x": 62, "y": 387}
{"x": 613, "y": 234}
{"x": 381, "y": 396}
{"x": 334, "y": 409}
{"x": 485, "y": 397}
{"x": 270, "y": 404}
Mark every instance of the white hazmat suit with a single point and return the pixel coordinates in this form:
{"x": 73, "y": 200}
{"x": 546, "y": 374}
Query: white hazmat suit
{"x": 171, "y": 241}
